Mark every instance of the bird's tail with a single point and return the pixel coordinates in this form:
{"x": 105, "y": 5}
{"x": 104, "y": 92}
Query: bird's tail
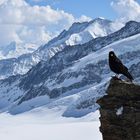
{"x": 129, "y": 76}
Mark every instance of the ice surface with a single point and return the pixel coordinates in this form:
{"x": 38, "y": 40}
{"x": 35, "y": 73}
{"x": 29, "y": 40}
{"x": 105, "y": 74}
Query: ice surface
{"x": 35, "y": 127}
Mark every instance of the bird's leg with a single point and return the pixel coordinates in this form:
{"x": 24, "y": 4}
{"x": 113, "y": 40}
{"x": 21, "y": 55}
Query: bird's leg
{"x": 117, "y": 76}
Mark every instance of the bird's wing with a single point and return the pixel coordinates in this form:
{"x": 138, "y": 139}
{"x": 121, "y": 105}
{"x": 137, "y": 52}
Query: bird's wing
{"x": 125, "y": 67}
{"x": 121, "y": 65}
{"x": 118, "y": 60}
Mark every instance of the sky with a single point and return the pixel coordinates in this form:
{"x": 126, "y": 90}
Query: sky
{"x": 91, "y": 8}
{"x": 37, "y": 21}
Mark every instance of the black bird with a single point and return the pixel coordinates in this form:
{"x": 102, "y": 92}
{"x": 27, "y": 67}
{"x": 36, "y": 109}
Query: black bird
{"x": 117, "y": 66}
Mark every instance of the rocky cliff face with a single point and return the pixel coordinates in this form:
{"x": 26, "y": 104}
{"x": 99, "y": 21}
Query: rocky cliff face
{"x": 120, "y": 111}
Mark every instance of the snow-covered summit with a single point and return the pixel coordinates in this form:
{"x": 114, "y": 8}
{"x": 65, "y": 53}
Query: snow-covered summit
{"x": 79, "y": 33}
{"x": 93, "y": 29}
{"x": 14, "y": 50}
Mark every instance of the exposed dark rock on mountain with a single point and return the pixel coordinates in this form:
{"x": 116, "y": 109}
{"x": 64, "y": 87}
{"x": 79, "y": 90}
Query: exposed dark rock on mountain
{"x": 120, "y": 111}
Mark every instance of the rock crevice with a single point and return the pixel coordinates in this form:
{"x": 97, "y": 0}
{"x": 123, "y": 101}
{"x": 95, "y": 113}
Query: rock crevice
{"x": 120, "y": 111}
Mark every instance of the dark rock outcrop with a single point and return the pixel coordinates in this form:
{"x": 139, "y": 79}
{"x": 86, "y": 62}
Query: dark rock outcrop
{"x": 120, "y": 111}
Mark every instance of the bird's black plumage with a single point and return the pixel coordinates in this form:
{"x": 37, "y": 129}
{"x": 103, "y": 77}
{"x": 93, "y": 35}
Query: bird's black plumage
{"x": 117, "y": 66}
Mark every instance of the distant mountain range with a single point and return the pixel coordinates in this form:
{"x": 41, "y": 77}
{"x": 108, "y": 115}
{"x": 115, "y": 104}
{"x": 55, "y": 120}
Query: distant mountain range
{"x": 72, "y": 77}
{"x": 78, "y": 33}
{"x": 14, "y": 50}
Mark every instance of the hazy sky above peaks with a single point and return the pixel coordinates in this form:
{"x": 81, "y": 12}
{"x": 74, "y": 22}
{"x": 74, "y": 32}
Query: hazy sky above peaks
{"x": 91, "y": 8}
{"x": 37, "y": 21}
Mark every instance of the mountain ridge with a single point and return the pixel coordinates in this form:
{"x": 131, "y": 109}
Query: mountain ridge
{"x": 74, "y": 78}
{"x": 23, "y": 63}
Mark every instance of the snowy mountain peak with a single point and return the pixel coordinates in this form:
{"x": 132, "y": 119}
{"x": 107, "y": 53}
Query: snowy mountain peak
{"x": 84, "y": 32}
{"x": 78, "y": 33}
{"x": 132, "y": 24}
{"x": 5, "y": 50}
{"x": 78, "y": 26}
{"x": 14, "y": 50}
{"x": 13, "y": 45}
{"x": 100, "y": 19}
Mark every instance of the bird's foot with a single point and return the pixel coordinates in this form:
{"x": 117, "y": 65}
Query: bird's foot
{"x": 116, "y": 77}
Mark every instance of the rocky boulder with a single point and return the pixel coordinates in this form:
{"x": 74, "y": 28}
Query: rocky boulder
{"x": 120, "y": 111}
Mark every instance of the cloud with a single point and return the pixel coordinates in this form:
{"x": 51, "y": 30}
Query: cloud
{"x": 84, "y": 18}
{"x": 127, "y": 9}
{"x": 37, "y": 0}
{"x": 22, "y": 22}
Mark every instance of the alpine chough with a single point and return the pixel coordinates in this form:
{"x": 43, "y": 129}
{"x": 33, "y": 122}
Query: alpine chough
{"x": 117, "y": 66}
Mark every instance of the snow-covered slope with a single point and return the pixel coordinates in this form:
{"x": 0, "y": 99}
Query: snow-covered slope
{"x": 14, "y": 50}
{"x": 39, "y": 125}
{"x": 74, "y": 78}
